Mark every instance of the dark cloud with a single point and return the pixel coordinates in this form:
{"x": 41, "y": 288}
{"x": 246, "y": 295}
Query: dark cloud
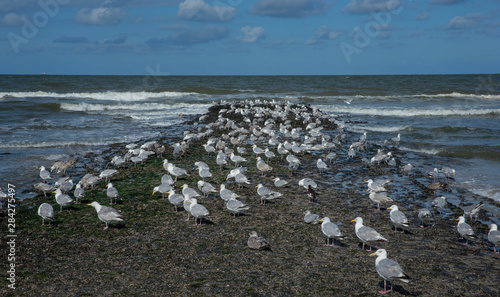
{"x": 323, "y": 33}
{"x": 204, "y": 34}
{"x": 116, "y": 41}
{"x": 446, "y": 2}
{"x": 71, "y": 39}
{"x": 289, "y": 8}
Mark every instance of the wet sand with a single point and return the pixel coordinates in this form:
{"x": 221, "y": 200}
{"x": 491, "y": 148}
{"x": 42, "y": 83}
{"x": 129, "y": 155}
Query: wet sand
{"x": 155, "y": 252}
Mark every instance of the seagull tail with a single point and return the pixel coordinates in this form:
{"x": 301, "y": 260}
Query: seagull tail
{"x": 405, "y": 278}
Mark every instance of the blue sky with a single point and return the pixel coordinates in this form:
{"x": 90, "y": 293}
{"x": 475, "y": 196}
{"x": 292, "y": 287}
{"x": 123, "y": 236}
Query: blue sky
{"x": 249, "y": 37}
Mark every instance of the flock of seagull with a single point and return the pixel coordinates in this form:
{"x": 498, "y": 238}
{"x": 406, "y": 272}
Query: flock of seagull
{"x": 270, "y": 130}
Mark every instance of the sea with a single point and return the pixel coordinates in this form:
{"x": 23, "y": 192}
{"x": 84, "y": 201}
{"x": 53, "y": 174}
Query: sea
{"x": 453, "y": 120}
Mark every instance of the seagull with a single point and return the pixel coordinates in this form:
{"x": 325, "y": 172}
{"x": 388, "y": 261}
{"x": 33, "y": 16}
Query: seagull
{"x": 424, "y": 213}
{"x": 106, "y": 214}
{"x": 398, "y": 218}
{"x": 331, "y": 230}
{"x": 406, "y": 169}
{"x": 305, "y": 182}
{"x": 175, "y": 171}
{"x": 388, "y": 269}
{"x": 321, "y": 165}
{"x": 198, "y": 211}
{"x": 236, "y": 206}
{"x": 175, "y": 199}
{"x": 396, "y": 139}
{"x": 378, "y": 185}
{"x": 257, "y": 150}
{"x": 44, "y": 174}
{"x": 266, "y": 194}
{"x": 257, "y": 242}
{"x": 280, "y": 182}
{"x": 221, "y": 159}
{"x": 473, "y": 210}
{"x": 434, "y": 174}
{"x": 366, "y": 234}
{"x": 45, "y": 188}
{"x": 112, "y": 193}
{"x": 187, "y": 191}
{"x": 206, "y": 188}
{"x": 447, "y": 171}
{"x": 269, "y": 154}
{"x": 62, "y": 199}
{"x": 46, "y": 211}
{"x": 79, "y": 192}
{"x": 379, "y": 197}
{"x": 65, "y": 184}
{"x": 167, "y": 179}
{"x": 311, "y": 218}
{"x": 226, "y": 194}
{"x": 494, "y": 236}
{"x": 464, "y": 229}
{"x": 262, "y": 166}
{"x": 439, "y": 203}
{"x": 204, "y": 173}
{"x": 108, "y": 173}
{"x": 236, "y": 159}
{"x": 163, "y": 189}
{"x": 209, "y": 148}
{"x": 240, "y": 178}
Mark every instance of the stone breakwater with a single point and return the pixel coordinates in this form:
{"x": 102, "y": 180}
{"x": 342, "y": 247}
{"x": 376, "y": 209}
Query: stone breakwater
{"x": 156, "y": 252}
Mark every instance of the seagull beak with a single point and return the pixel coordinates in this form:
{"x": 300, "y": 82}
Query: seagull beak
{"x": 320, "y": 220}
{"x": 352, "y": 221}
{"x": 372, "y": 254}
{"x": 153, "y": 194}
{"x": 366, "y": 181}
{"x": 89, "y": 204}
{"x": 389, "y": 207}
{"x": 456, "y": 220}
{"x": 54, "y": 192}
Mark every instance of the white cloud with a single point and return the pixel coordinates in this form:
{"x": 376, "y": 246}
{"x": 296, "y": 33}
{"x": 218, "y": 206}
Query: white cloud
{"x": 252, "y": 35}
{"x": 12, "y": 19}
{"x": 289, "y": 8}
{"x": 198, "y": 10}
{"x": 323, "y": 33}
{"x": 368, "y": 6}
{"x": 462, "y": 23}
{"x": 422, "y": 16}
{"x": 100, "y": 16}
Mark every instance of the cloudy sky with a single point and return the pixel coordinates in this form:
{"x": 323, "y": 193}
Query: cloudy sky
{"x": 289, "y": 37}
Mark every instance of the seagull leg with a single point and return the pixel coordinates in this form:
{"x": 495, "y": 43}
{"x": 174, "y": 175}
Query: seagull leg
{"x": 106, "y": 226}
{"x": 385, "y": 289}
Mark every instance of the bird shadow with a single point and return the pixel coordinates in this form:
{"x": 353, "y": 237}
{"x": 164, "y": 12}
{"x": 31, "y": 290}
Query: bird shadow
{"x": 399, "y": 289}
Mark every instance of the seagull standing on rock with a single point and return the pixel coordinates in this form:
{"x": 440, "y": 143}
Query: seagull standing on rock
{"x": 106, "y": 214}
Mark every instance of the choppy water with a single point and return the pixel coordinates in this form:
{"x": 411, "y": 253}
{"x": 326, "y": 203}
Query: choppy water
{"x": 455, "y": 118}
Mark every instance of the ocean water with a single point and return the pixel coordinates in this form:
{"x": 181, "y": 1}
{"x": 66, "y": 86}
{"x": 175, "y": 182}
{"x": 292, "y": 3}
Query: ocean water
{"x": 455, "y": 119}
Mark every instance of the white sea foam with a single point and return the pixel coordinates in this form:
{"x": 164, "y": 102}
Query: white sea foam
{"x": 50, "y": 144}
{"x": 88, "y": 107}
{"x": 410, "y": 112}
{"x": 116, "y": 96}
{"x": 429, "y": 151}
{"x": 373, "y": 128}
